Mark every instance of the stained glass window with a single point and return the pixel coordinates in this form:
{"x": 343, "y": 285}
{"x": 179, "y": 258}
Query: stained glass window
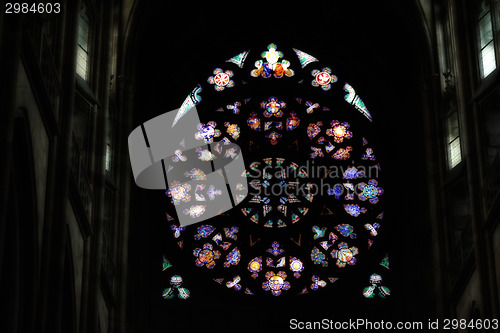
{"x": 314, "y": 212}
{"x": 487, "y": 59}
{"x": 453, "y": 140}
{"x": 82, "y": 65}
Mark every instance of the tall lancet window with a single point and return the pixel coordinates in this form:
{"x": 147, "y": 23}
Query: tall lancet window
{"x": 486, "y": 44}
{"x": 82, "y": 61}
{"x": 453, "y": 140}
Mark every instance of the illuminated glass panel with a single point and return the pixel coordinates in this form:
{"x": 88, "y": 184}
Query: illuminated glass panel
{"x": 108, "y": 157}
{"x": 82, "y": 60}
{"x": 487, "y": 57}
{"x": 453, "y": 141}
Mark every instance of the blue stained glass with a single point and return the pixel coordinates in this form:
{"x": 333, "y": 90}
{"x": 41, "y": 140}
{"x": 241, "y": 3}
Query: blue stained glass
{"x": 346, "y": 230}
{"x": 275, "y": 249}
{"x": 336, "y": 191}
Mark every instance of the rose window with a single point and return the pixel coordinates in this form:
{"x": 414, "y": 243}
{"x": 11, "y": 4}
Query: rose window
{"x": 310, "y": 215}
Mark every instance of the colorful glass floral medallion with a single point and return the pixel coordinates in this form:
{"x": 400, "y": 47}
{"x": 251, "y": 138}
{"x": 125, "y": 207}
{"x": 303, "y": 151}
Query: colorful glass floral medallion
{"x": 296, "y": 266}
{"x": 273, "y": 137}
{"x": 353, "y": 173}
{"x": 206, "y": 256}
{"x": 375, "y": 285}
{"x": 316, "y": 152}
{"x": 339, "y": 131}
{"x": 235, "y": 107}
{"x": 370, "y": 191}
{"x": 273, "y": 107}
{"x": 275, "y": 249}
{"x": 345, "y": 255}
{"x": 318, "y": 257}
{"x": 204, "y": 154}
{"x": 255, "y": 266}
{"x": 332, "y": 238}
{"x": 354, "y": 210}
{"x": 372, "y": 228}
{"x": 221, "y": 79}
{"x": 323, "y": 78}
{"x": 233, "y": 258}
{"x": 196, "y": 174}
{"x": 318, "y": 232}
{"x": 231, "y": 232}
{"x": 195, "y": 211}
{"x": 273, "y": 65}
{"x": 311, "y": 106}
{"x": 346, "y": 230}
{"x": 292, "y": 122}
{"x": 314, "y": 129}
{"x": 207, "y": 132}
{"x": 276, "y": 283}
{"x": 317, "y": 283}
{"x": 212, "y": 192}
{"x": 254, "y": 122}
{"x": 204, "y": 231}
{"x": 178, "y": 156}
{"x": 176, "y": 283}
{"x": 235, "y": 283}
{"x": 177, "y": 230}
{"x": 179, "y": 192}
{"x": 368, "y": 155}
{"x": 343, "y": 153}
{"x": 336, "y": 191}
{"x": 233, "y": 130}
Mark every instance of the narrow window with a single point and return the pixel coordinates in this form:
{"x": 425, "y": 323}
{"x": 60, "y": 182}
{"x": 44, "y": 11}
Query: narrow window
{"x": 82, "y": 62}
{"x": 487, "y": 59}
{"x": 108, "y": 158}
{"x": 453, "y": 140}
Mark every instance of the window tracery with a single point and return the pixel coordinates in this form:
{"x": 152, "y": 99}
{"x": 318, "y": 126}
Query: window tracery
{"x": 314, "y": 212}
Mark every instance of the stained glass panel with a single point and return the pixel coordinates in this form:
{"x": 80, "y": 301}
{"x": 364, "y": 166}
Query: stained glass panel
{"x": 313, "y": 214}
